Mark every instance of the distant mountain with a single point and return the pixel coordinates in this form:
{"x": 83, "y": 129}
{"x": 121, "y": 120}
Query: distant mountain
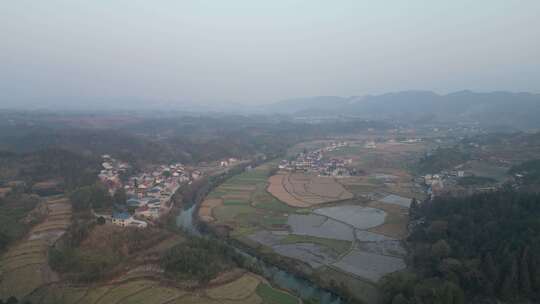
{"x": 519, "y": 110}
{"x": 314, "y": 104}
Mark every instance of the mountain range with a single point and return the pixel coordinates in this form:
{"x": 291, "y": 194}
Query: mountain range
{"x": 519, "y": 110}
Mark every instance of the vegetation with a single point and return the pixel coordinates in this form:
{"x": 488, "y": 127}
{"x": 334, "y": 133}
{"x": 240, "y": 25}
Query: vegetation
{"x": 442, "y": 159}
{"x": 530, "y": 171}
{"x": 14, "y": 219}
{"x": 477, "y": 247}
{"x": 91, "y": 253}
{"x": 51, "y": 164}
{"x": 270, "y": 295}
{"x": 475, "y": 181}
{"x": 199, "y": 259}
{"x": 95, "y": 196}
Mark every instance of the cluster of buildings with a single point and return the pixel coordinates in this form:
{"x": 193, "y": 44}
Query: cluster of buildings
{"x": 447, "y": 181}
{"x": 148, "y": 194}
{"x": 228, "y": 162}
{"x": 111, "y": 171}
{"x": 314, "y": 161}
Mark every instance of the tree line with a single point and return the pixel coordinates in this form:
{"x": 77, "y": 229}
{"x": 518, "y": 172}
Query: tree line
{"x": 483, "y": 247}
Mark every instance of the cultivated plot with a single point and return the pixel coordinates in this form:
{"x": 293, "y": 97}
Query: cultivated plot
{"x": 397, "y": 200}
{"x": 368, "y": 265}
{"x": 305, "y": 190}
{"x": 320, "y": 226}
{"x": 356, "y": 216}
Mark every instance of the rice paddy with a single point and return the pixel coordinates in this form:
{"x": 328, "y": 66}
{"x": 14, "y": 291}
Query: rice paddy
{"x": 24, "y": 267}
{"x": 247, "y": 288}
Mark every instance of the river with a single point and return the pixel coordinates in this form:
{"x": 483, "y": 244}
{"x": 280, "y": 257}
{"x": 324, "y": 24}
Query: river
{"x": 280, "y": 278}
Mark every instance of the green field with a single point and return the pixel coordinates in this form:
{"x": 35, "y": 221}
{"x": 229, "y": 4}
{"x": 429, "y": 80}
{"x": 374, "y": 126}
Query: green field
{"x": 346, "y": 151}
{"x": 257, "y": 209}
{"x": 270, "y": 295}
{"x": 231, "y": 202}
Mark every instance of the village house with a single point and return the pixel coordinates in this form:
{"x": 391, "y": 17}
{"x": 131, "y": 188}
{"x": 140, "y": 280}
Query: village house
{"x": 124, "y": 219}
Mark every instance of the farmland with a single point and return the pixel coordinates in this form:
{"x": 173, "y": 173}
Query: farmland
{"x": 243, "y": 204}
{"x": 24, "y": 265}
{"x": 349, "y": 226}
{"x": 245, "y": 288}
{"x": 306, "y": 190}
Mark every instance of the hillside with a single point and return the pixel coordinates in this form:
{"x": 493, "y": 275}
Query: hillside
{"x": 518, "y": 110}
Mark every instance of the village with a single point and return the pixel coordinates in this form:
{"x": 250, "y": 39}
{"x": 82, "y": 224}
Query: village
{"x": 148, "y": 194}
{"x": 314, "y": 161}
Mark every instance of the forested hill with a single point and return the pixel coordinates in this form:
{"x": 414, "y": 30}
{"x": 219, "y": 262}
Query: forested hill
{"x": 519, "y": 110}
{"x": 474, "y": 248}
{"x": 70, "y": 169}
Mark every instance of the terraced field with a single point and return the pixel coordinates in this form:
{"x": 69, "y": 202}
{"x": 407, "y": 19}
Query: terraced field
{"x": 243, "y": 204}
{"x": 244, "y": 289}
{"x": 24, "y": 266}
{"x": 350, "y": 229}
{"x": 306, "y": 190}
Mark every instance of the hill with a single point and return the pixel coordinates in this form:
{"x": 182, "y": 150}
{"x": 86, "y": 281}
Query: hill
{"x": 518, "y": 110}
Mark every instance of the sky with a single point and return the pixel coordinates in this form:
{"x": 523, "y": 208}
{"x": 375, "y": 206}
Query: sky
{"x": 251, "y": 52}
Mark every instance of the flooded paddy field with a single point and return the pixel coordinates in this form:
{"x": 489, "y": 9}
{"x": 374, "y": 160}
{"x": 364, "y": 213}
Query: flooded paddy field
{"x": 356, "y": 216}
{"x": 397, "y": 200}
{"x": 368, "y": 265}
{"x": 320, "y": 226}
{"x": 349, "y": 228}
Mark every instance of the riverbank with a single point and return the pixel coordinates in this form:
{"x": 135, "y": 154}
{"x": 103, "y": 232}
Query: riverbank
{"x": 285, "y": 272}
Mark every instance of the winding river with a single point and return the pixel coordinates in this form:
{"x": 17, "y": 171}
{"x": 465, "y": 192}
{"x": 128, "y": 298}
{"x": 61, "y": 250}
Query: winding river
{"x": 280, "y": 278}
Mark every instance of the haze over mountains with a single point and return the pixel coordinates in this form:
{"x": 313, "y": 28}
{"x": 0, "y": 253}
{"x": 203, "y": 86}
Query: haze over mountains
{"x": 520, "y": 110}
{"x": 501, "y": 109}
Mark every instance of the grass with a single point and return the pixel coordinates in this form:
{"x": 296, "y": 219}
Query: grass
{"x": 231, "y": 213}
{"x": 22, "y": 260}
{"x": 123, "y": 291}
{"x": 235, "y": 290}
{"x": 337, "y": 245}
{"x": 231, "y": 202}
{"x": 153, "y": 295}
{"x": 271, "y": 295}
{"x": 93, "y": 295}
{"x": 20, "y": 282}
{"x": 264, "y": 210}
{"x": 475, "y": 181}
{"x": 367, "y": 292}
{"x": 346, "y": 151}
{"x": 12, "y": 211}
{"x": 264, "y": 200}
{"x": 73, "y": 295}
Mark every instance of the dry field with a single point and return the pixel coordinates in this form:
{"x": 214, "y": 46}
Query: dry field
{"x": 239, "y": 289}
{"x": 244, "y": 289}
{"x": 24, "y": 266}
{"x": 302, "y": 190}
{"x": 276, "y": 188}
{"x": 395, "y": 224}
{"x": 205, "y": 210}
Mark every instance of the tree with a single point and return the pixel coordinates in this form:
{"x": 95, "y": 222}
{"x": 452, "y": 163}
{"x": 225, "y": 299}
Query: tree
{"x": 510, "y": 282}
{"x": 94, "y": 196}
{"x": 437, "y": 229}
{"x": 440, "y": 249}
{"x": 524, "y": 274}
{"x": 414, "y": 203}
{"x": 120, "y": 196}
{"x": 452, "y": 294}
{"x": 101, "y": 220}
{"x": 12, "y": 300}
{"x": 399, "y": 299}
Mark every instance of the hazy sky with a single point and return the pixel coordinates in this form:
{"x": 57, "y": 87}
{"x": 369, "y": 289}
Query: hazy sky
{"x": 261, "y": 51}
